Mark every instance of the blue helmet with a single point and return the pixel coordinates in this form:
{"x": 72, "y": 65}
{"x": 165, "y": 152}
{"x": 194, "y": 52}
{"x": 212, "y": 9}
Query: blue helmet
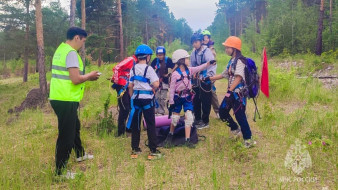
{"x": 143, "y": 50}
{"x": 196, "y": 36}
{"x": 160, "y": 49}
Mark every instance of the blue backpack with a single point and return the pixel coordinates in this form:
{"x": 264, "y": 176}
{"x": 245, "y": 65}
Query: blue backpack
{"x": 251, "y": 82}
{"x": 251, "y": 78}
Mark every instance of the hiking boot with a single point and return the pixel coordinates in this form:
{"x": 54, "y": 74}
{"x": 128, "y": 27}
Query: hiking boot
{"x": 189, "y": 144}
{"x": 168, "y": 142}
{"x": 85, "y": 157}
{"x": 155, "y": 155}
{"x": 249, "y": 143}
{"x": 202, "y": 125}
{"x": 235, "y": 133}
{"x": 135, "y": 153}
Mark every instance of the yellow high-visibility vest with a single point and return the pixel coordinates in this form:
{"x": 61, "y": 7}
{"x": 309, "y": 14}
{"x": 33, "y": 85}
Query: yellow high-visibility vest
{"x": 61, "y": 87}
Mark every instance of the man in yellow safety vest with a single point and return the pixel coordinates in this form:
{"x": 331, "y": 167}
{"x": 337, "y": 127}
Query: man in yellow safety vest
{"x": 66, "y": 91}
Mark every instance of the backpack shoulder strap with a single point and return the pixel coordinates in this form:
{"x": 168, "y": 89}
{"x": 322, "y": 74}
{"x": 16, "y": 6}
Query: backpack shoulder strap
{"x": 203, "y": 52}
{"x": 145, "y": 71}
{"x": 158, "y": 63}
{"x": 188, "y": 73}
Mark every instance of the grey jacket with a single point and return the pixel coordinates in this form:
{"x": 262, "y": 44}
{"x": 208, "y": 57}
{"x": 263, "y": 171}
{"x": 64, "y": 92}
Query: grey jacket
{"x": 203, "y": 56}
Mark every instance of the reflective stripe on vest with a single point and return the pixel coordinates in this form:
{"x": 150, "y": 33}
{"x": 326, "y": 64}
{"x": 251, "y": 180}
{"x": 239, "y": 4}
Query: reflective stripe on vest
{"x": 61, "y": 87}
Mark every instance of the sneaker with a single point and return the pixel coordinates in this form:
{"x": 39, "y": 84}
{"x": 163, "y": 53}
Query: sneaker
{"x": 85, "y": 157}
{"x": 68, "y": 175}
{"x": 217, "y": 116}
{"x": 135, "y": 153}
{"x": 202, "y": 125}
{"x": 197, "y": 123}
{"x": 155, "y": 155}
{"x": 168, "y": 141}
{"x": 235, "y": 133}
{"x": 249, "y": 143}
{"x": 189, "y": 144}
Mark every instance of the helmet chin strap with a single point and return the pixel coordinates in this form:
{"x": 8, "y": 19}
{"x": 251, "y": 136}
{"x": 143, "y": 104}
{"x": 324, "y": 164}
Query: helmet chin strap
{"x": 233, "y": 51}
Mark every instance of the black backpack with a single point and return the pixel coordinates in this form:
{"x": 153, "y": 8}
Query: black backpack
{"x": 179, "y": 134}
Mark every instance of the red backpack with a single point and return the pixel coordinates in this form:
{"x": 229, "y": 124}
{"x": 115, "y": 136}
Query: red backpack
{"x": 121, "y": 71}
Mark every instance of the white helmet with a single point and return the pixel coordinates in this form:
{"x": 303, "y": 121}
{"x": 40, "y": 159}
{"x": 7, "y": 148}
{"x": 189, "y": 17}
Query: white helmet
{"x": 179, "y": 54}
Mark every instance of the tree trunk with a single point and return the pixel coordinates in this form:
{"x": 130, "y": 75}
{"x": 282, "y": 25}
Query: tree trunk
{"x": 229, "y": 24}
{"x": 121, "y": 29}
{"x": 99, "y": 59}
{"x": 235, "y": 20}
{"x": 260, "y": 7}
{"x": 332, "y": 41}
{"x": 25, "y": 70}
{"x": 83, "y": 26}
{"x": 147, "y": 39}
{"x": 41, "y": 51}
{"x": 241, "y": 25}
{"x": 72, "y": 13}
{"x": 319, "y": 44}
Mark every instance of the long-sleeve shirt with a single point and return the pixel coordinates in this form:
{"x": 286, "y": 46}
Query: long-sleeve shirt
{"x": 203, "y": 56}
{"x": 184, "y": 84}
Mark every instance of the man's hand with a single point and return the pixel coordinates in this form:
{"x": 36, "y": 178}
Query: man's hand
{"x": 76, "y": 78}
{"x": 94, "y": 75}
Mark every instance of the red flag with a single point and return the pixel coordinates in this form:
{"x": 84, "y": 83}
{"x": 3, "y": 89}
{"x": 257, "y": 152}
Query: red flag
{"x": 265, "y": 75}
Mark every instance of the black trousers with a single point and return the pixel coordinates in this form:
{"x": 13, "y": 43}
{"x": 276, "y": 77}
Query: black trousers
{"x": 69, "y": 133}
{"x": 124, "y": 109}
{"x": 149, "y": 116}
{"x": 202, "y": 102}
{"x": 239, "y": 111}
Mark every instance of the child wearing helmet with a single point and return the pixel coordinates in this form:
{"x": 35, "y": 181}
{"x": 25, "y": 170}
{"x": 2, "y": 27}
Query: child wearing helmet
{"x": 203, "y": 89}
{"x": 161, "y": 64}
{"x": 235, "y": 73}
{"x": 210, "y": 44}
{"x": 181, "y": 94}
{"x": 142, "y": 83}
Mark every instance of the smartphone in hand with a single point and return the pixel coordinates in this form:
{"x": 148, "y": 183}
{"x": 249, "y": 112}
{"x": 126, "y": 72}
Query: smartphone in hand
{"x": 213, "y": 62}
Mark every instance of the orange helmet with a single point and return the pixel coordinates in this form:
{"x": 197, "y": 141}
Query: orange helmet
{"x": 234, "y": 42}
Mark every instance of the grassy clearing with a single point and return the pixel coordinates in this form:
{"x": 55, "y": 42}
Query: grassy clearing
{"x": 297, "y": 109}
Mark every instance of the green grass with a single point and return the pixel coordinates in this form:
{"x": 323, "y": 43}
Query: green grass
{"x": 297, "y": 109}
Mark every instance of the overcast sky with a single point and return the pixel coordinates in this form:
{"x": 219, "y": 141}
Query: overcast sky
{"x": 198, "y": 13}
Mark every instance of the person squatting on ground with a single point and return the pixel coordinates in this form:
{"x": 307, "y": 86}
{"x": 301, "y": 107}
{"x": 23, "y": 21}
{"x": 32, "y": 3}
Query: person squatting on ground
{"x": 66, "y": 91}
{"x": 143, "y": 82}
{"x": 161, "y": 64}
{"x": 120, "y": 80}
{"x": 203, "y": 89}
{"x": 181, "y": 94}
{"x": 210, "y": 44}
{"x": 234, "y": 99}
